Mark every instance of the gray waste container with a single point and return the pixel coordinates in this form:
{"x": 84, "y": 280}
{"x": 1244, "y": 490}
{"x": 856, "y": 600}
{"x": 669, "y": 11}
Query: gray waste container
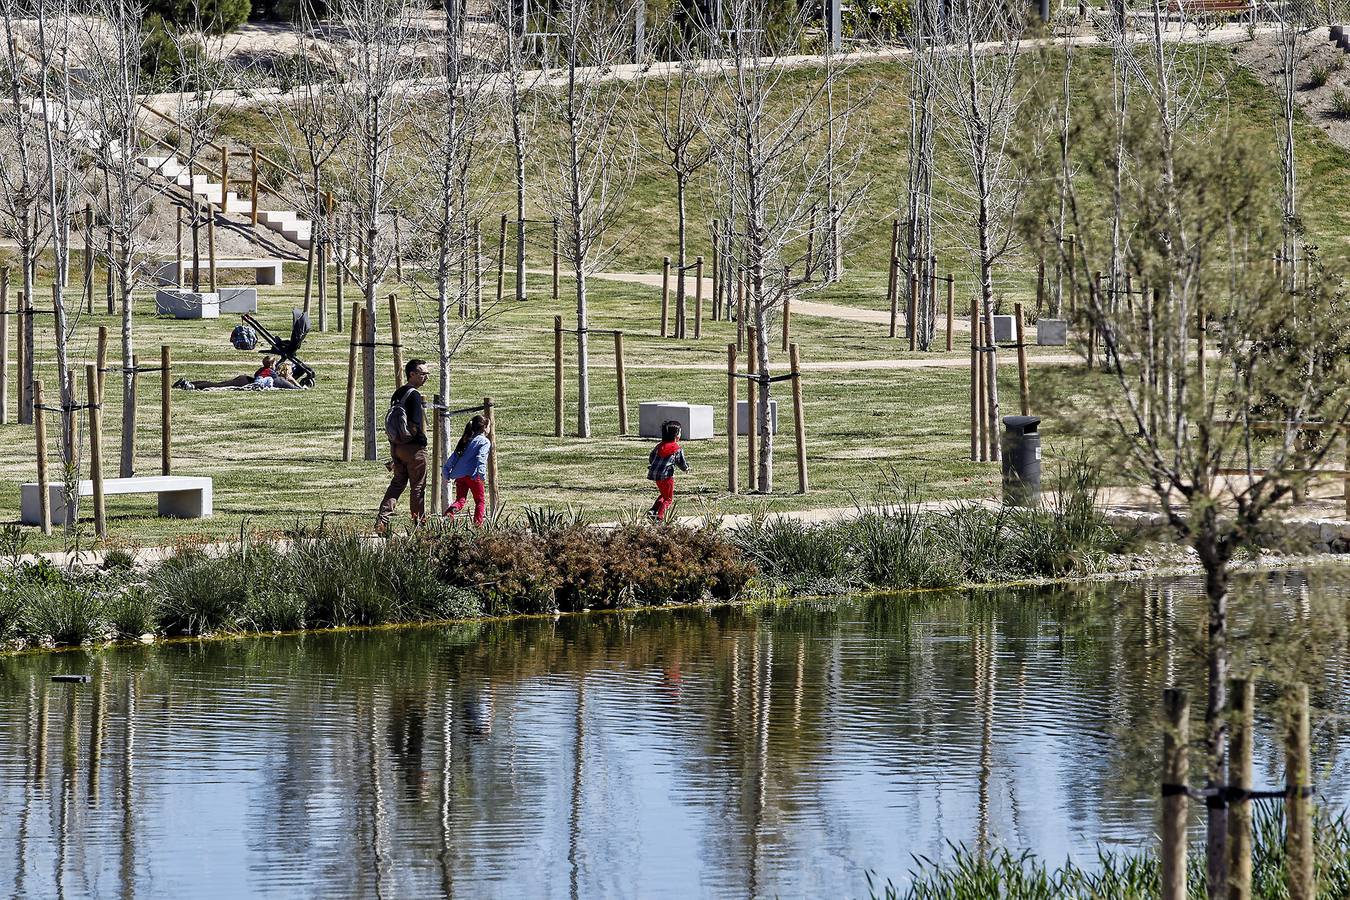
{"x": 1021, "y": 460}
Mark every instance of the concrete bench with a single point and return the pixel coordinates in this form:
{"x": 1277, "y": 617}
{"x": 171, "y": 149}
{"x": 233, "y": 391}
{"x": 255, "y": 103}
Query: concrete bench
{"x": 265, "y": 271}
{"x": 238, "y": 299}
{"x": 187, "y": 304}
{"x": 180, "y": 496}
{"x": 1052, "y": 332}
{"x": 696, "y": 420}
{"x": 743, "y": 424}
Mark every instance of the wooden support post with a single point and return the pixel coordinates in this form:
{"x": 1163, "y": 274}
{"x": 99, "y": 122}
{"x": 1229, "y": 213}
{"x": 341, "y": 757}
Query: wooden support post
{"x": 4, "y": 345}
{"x": 224, "y": 176}
{"x": 40, "y": 432}
{"x": 358, "y": 330}
{"x": 622, "y": 378}
{"x": 665, "y": 293}
{"x": 1023, "y": 388}
{"x": 733, "y": 479}
{"x": 1298, "y": 838}
{"x": 556, "y": 265}
{"x": 398, "y": 253}
{"x": 96, "y": 450}
{"x": 951, "y": 309}
{"x": 1176, "y": 769}
{"x": 493, "y": 482}
{"x": 974, "y": 385}
{"x": 1073, "y": 282}
{"x": 101, "y": 358}
{"x": 165, "y": 411}
{"x": 396, "y": 338}
{"x": 21, "y": 363}
{"x": 253, "y": 188}
{"x": 501, "y": 259}
{"x": 751, "y": 403}
{"x": 557, "y": 376}
{"x": 87, "y": 280}
{"x": 1200, "y": 348}
{"x": 716, "y": 273}
{"x": 798, "y": 418}
{"x": 1241, "y": 703}
{"x": 437, "y": 452}
{"x": 912, "y": 311}
{"x": 698, "y": 297}
{"x": 178, "y": 240}
{"x": 893, "y": 294}
{"x": 478, "y": 270}
{"x": 787, "y": 317}
{"x": 740, "y": 310}
{"x": 1347, "y": 474}
{"x": 1040, "y": 286}
{"x": 211, "y": 244}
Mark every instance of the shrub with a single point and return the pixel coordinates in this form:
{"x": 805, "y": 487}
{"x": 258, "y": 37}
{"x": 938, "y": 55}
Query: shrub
{"x": 281, "y": 610}
{"x": 1318, "y": 77}
{"x": 653, "y": 565}
{"x": 345, "y": 581}
{"x": 214, "y": 16}
{"x": 133, "y": 612}
{"x": 897, "y": 548}
{"x": 578, "y": 557}
{"x": 199, "y": 595}
{"x": 70, "y": 612}
{"x": 509, "y": 570}
{"x": 805, "y": 558}
{"x": 1340, "y": 105}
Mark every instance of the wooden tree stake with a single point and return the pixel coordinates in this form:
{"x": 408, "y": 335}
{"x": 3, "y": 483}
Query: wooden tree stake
{"x": 1241, "y": 703}
{"x": 165, "y": 411}
{"x": 437, "y": 452}
{"x": 96, "y": 451}
{"x": 1176, "y": 770}
{"x": 698, "y": 297}
{"x": 358, "y": 329}
{"x": 1023, "y": 389}
{"x": 798, "y": 419}
{"x": 893, "y": 293}
{"x": 951, "y": 309}
{"x": 101, "y": 357}
{"x": 40, "y": 433}
{"x": 665, "y": 293}
{"x": 4, "y": 345}
{"x": 396, "y": 338}
{"x": 752, "y": 402}
{"x": 1298, "y": 839}
{"x": 211, "y": 243}
{"x": 912, "y": 313}
{"x": 556, "y": 265}
{"x": 494, "y": 494}
{"x": 622, "y": 382}
{"x": 501, "y": 260}
{"x": 557, "y": 376}
{"x": 733, "y": 478}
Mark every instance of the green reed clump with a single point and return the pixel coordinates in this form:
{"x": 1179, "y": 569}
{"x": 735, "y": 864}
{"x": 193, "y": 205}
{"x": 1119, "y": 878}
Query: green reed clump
{"x": 970, "y": 875}
{"x": 804, "y": 558}
{"x": 201, "y": 594}
{"x": 68, "y": 611}
{"x": 133, "y": 611}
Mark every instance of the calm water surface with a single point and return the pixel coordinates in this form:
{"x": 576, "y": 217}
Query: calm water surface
{"x": 781, "y": 751}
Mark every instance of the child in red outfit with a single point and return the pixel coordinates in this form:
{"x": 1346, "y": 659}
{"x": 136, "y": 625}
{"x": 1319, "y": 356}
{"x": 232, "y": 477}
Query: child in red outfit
{"x": 661, "y": 464}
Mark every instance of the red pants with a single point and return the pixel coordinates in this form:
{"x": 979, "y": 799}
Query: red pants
{"x": 666, "y": 487}
{"x": 463, "y": 487}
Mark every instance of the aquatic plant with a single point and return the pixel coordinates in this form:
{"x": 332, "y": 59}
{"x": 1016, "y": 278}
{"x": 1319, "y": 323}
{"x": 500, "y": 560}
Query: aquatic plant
{"x": 70, "y": 611}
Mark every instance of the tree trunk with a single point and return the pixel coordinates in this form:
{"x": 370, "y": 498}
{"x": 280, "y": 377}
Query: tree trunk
{"x": 679, "y": 281}
{"x": 1216, "y": 703}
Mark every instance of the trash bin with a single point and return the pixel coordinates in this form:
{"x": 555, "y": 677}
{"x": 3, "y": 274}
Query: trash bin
{"x": 1021, "y": 460}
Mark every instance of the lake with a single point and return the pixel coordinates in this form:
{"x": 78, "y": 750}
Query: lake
{"x": 779, "y": 750}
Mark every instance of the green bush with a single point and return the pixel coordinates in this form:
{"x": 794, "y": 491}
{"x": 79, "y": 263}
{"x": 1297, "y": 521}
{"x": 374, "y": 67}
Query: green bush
{"x": 814, "y": 559}
{"x": 70, "y": 612}
{"x": 199, "y": 595}
{"x": 133, "y": 612}
{"x": 507, "y": 566}
{"x": 1340, "y": 105}
{"x": 1317, "y": 77}
{"x": 213, "y": 16}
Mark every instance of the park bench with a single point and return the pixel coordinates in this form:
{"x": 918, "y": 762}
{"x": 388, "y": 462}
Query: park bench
{"x": 1210, "y": 7}
{"x": 266, "y": 271}
{"x": 180, "y": 496}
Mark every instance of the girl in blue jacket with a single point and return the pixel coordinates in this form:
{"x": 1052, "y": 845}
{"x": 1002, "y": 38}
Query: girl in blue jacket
{"x": 467, "y": 467}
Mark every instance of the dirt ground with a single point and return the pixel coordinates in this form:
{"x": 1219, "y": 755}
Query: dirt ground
{"x": 1263, "y": 56}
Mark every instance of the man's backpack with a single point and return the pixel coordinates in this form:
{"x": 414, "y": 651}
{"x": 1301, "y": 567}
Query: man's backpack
{"x": 396, "y": 423}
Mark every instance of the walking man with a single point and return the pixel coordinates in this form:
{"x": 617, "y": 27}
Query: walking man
{"x": 406, "y": 427}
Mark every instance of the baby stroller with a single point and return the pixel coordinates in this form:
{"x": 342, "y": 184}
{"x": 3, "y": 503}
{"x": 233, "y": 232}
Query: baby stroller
{"x": 245, "y": 337}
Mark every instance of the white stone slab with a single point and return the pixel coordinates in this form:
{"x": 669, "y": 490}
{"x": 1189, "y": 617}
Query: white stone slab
{"x": 696, "y": 420}
{"x": 187, "y": 304}
{"x": 265, "y": 271}
{"x": 238, "y": 299}
{"x": 1005, "y": 330}
{"x": 180, "y": 496}
{"x": 1052, "y": 332}
{"x": 742, "y": 424}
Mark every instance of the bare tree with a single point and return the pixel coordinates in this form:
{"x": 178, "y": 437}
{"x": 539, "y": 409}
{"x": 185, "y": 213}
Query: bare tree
{"x": 591, "y": 165}
{"x": 923, "y": 38}
{"x": 519, "y": 115}
{"x": 679, "y": 104}
{"x": 379, "y": 38}
{"x": 978, "y": 88}
{"x": 22, "y": 176}
{"x": 772, "y": 135}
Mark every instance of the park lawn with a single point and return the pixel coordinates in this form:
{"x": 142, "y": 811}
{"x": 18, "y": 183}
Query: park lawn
{"x": 275, "y": 457}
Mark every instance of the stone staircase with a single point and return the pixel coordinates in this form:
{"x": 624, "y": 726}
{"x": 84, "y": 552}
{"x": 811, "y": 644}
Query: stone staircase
{"x": 170, "y": 168}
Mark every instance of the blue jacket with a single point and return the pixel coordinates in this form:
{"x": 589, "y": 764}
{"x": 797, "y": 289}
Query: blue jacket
{"x": 471, "y": 463}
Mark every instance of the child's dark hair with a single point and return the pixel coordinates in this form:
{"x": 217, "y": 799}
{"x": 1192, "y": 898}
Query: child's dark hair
{"x": 670, "y": 431}
{"x": 474, "y": 427}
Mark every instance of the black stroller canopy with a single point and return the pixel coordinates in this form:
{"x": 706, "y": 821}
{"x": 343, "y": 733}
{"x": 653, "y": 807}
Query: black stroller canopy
{"x": 289, "y": 348}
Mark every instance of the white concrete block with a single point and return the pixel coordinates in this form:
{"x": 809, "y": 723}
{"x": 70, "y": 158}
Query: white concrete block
{"x": 696, "y": 420}
{"x": 1052, "y": 332}
{"x": 1005, "y": 331}
{"x": 187, "y": 304}
{"x": 742, "y": 424}
{"x": 238, "y": 299}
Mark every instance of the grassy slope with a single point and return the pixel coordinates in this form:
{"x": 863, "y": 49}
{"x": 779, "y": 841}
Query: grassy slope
{"x": 275, "y": 456}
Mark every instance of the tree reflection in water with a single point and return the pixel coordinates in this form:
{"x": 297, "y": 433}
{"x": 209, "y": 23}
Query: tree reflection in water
{"x": 780, "y": 749}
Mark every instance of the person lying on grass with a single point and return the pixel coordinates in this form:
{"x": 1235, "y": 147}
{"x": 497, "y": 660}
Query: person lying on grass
{"x": 270, "y": 375}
